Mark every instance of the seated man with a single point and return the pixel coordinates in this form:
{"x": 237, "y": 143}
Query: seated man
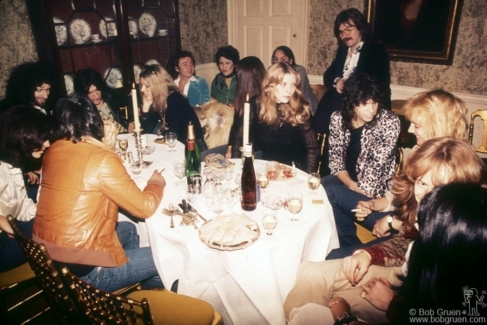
{"x": 83, "y": 184}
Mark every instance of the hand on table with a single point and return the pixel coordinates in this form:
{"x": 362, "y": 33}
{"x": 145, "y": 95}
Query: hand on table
{"x": 378, "y": 292}
{"x": 157, "y": 179}
{"x": 381, "y": 228}
{"x": 354, "y": 267}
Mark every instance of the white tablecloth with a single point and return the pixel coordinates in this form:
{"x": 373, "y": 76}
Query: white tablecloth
{"x": 246, "y": 286}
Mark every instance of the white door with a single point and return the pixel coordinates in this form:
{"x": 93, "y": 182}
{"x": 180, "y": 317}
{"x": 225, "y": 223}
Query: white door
{"x": 257, "y": 27}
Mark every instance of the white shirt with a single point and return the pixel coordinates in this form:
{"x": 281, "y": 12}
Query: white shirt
{"x": 186, "y": 87}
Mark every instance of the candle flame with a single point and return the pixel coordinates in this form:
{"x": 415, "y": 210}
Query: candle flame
{"x": 247, "y": 98}
{"x": 133, "y": 85}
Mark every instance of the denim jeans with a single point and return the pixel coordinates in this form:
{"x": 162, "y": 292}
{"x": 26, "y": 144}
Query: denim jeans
{"x": 139, "y": 268}
{"x": 343, "y": 200}
{"x": 12, "y": 255}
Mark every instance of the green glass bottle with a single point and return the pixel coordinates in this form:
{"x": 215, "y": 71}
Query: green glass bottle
{"x": 193, "y": 163}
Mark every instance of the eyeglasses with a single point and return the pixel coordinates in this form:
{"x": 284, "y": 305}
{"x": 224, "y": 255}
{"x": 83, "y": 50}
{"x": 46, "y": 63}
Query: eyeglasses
{"x": 346, "y": 31}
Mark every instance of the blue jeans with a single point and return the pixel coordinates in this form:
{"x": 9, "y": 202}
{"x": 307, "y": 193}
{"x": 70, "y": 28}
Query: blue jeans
{"x": 11, "y": 255}
{"x": 343, "y": 200}
{"x": 139, "y": 268}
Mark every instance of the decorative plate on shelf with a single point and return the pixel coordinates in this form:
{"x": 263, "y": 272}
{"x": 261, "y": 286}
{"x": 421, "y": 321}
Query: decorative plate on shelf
{"x": 152, "y": 62}
{"x": 107, "y": 27}
{"x": 231, "y": 232}
{"x": 137, "y": 70}
{"x": 133, "y": 29}
{"x": 61, "y": 31}
{"x": 113, "y": 77}
{"x": 147, "y": 24}
{"x": 80, "y": 30}
{"x": 68, "y": 82}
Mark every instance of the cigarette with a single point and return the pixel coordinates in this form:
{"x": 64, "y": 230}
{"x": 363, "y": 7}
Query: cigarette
{"x": 162, "y": 170}
{"x": 356, "y": 210}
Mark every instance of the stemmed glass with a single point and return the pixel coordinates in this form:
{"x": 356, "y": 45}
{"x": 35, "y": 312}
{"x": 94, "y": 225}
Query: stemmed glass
{"x": 294, "y": 204}
{"x": 314, "y": 182}
{"x": 179, "y": 170}
{"x": 171, "y": 140}
{"x": 263, "y": 180}
{"x": 269, "y": 221}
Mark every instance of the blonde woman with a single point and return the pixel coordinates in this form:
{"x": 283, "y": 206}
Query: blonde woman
{"x": 280, "y": 123}
{"x": 434, "y": 113}
{"x": 163, "y": 106}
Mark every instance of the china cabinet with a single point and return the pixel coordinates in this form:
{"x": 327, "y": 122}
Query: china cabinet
{"x": 115, "y": 37}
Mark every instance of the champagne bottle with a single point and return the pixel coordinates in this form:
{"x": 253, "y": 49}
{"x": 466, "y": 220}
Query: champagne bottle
{"x": 193, "y": 163}
{"x": 248, "y": 183}
{"x": 196, "y": 146}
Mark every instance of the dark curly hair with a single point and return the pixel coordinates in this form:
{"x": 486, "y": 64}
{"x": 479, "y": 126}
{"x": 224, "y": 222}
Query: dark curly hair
{"x": 76, "y": 117}
{"x": 24, "y": 80}
{"x": 358, "y": 89}
{"x": 357, "y": 18}
{"x": 228, "y": 52}
{"x": 23, "y": 130}
{"x": 287, "y": 52}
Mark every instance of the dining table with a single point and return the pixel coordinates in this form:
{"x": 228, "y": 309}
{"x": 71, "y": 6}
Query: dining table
{"x": 247, "y": 285}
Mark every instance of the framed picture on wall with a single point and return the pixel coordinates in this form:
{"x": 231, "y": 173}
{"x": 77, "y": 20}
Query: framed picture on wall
{"x": 416, "y": 30}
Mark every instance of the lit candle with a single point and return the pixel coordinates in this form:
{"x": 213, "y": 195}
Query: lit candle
{"x": 135, "y": 108}
{"x": 246, "y": 117}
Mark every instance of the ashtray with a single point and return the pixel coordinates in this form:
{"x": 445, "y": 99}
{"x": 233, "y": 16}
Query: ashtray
{"x": 273, "y": 202}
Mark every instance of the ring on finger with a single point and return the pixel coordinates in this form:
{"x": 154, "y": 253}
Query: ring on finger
{"x": 363, "y": 294}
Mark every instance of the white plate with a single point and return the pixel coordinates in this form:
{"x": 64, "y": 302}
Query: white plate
{"x": 68, "y": 82}
{"x": 107, "y": 25}
{"x": 147, "y": 24}
{"x": 61, "y": 31}
{"x": 152, "y": 62}
{"x": 137, "y": 70}
{"x": 133, "y": 29}
{"x": 113, "y": 77}
{"x": 80, "y": 30}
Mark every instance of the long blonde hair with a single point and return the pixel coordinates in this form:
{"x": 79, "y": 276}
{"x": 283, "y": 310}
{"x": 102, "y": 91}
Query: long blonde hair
{"x": 439, "y": 113}
{"x": 295, "y": 112}
{"x": 161, "y": 85}
{"x": 449, "y": 160}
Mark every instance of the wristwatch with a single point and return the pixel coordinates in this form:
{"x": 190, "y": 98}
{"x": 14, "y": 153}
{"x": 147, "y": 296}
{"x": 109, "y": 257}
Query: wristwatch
{"x": 389, "y": 220}
{"x": 345, "y": 319}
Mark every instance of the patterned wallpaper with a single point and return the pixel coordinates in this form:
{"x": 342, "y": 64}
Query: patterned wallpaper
{"x": 204, "y": 29}
{"x": 467, "y": 74}
{"x": 16, "y": 40}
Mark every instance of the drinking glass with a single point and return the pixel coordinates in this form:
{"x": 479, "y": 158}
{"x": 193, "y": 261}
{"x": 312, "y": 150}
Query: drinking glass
{"x": 171, "y": 140}
{"x": 273, "y": 169}
{"x": 179, "y": 170}
{"x": 136, "y": 167}
{"x": 269, "y": 221}
{"x": 294, "y": 204}
{"x": 123, "y": 144}
{"x": 263, "y": 180}
{"x": 314, "y": 182}
{"x": 193, "y": 192}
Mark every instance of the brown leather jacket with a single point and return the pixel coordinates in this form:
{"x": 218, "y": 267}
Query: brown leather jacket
{"x": 83, "y": 185}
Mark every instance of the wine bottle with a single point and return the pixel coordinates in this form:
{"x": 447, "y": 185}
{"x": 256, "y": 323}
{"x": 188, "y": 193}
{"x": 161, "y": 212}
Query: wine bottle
{"x": 193, "y": 163}
{"x": 248, "y": 183}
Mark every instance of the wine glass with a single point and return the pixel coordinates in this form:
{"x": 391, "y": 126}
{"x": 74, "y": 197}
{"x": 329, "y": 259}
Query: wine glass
{"x": 263, "y": 180}
{"x": 314, "y": 182}
{"x": 294, "y": 204}
{"x": 171, "y": 140}
{"x": 273, "y": 168}
{"x": 269, "y": 221}
{"x": 136, "y": 167}
{"x": 178, "y": 168}
{"x": 193, "y": 192}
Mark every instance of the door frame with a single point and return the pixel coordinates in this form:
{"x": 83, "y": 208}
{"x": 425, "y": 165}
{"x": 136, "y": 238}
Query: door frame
{"x": 303, "y": 26}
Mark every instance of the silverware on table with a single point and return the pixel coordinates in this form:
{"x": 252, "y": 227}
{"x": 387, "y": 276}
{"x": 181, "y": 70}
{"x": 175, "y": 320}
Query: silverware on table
{"x": 191, "y": 209}
{"x": 171, "y": 210}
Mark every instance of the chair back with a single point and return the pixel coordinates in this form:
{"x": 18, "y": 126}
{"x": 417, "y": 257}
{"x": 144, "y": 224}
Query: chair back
{"x": 321, "y": 139}
{"x": 100, "y": 307}
{"x": 483, "y": 115}
{"x": 42, "y": 265}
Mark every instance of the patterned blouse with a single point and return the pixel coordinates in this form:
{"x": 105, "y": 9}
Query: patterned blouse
{"x": 377, "y": 160}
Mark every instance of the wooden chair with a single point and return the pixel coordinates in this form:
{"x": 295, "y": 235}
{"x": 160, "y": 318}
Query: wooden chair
{"x": 99, "y": 307}
{"x": 322, "y": 141}
{"x": 483, "y": 115}
{"x": 48, "y": 277}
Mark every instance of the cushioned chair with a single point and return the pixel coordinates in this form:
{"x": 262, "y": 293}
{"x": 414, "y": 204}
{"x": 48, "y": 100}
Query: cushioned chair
{"x": 99, "y": 307}
{"x": 483, "y": 115}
